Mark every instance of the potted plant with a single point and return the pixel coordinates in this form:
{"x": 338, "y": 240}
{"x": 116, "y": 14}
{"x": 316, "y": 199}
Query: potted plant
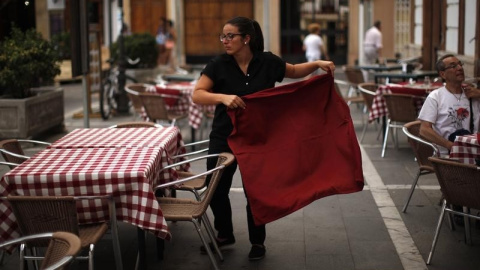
{"x": 141, "y": 46}
{"x": 29, "y": 103}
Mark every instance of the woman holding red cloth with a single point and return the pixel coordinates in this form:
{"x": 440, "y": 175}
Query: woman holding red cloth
{"x": 243, "y": 69}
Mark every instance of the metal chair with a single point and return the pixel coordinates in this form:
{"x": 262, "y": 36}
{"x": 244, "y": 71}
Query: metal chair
{"x": 156, "y": 109}
{"x": 348, "y": 99}
{"x": 422, "y": 150}
{"x": 460, "y": 185}
{"x": 40, "y": 214}
{"x": 12, "y": 150}
{"x": 401, "y": 109}
{"x": 133, "y": 93}
{"x": 354, "y": 77}
{"x": 367, "y": 90}
{"x": 62, "y": 248}
{"x": 175, "y": 209}
{"x": 136, "y": 125}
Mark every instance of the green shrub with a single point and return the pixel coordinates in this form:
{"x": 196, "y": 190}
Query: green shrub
{"x": 141, "y": 46}
{"x": 26, "y": 60}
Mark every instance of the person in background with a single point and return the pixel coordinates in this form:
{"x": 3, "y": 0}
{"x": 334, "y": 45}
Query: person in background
{"x": 448, "y": 111}
{"x": 313, "y": 45}
{"x": 170, "y": 45}
{"x": 243, "y": 69}
{"x": 372, "y": 44}
{"x": 161, "y": 39}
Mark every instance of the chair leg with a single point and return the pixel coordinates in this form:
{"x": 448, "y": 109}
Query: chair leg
{"x": 363, "y": 131}
{"x": 412, "y": 189}
{"x": 115, "y": 239}
{"x": 205, "y": 243}
{"x": 211, "y": 234}
{"x": 22, "y": 257}
{"x": 385, "y": 139}
{"x": 437, "y": 231}
{"x": 90, "y": 257}
{"x": 466, "y": 221}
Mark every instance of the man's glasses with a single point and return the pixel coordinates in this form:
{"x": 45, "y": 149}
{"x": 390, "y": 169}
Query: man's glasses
{"x": 454, "y": 65}
{"x": 228, "y": 36}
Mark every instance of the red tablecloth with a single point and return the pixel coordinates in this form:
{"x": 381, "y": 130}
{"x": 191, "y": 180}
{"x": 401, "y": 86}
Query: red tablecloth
{"x": 379, "y": 106}
{"x": 466, "y": 149}
{"x": 128, "y": 174}
{"x": 295, "y": 144}
{"x": 185, "y": 103}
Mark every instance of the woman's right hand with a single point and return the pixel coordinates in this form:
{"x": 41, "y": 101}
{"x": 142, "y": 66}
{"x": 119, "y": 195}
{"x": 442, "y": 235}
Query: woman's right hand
{"x": 233, "y": 102}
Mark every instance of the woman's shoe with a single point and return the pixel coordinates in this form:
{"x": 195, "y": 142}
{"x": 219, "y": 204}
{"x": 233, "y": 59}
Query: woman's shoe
{"x": 257, "y": 252}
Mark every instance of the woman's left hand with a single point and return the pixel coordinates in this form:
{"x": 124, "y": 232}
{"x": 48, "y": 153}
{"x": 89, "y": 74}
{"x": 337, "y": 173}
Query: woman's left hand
{"x": 327, "y": 66}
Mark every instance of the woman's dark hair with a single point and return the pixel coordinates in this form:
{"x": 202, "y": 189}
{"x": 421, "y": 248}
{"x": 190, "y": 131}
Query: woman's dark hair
{"x": 249, "y": 27}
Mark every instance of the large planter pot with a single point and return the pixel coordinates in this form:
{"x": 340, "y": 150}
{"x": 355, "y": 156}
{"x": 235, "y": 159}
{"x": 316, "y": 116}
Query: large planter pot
{"x": 24, "y": 118}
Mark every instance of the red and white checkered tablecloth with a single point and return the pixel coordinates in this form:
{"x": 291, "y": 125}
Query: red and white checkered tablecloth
{"x": 126, "y": 173}
{"x": 466, "y": 149}
{"x": 165, "y": 137}
{"x": 379, "y": 106}
{"x": 185, "y": 103}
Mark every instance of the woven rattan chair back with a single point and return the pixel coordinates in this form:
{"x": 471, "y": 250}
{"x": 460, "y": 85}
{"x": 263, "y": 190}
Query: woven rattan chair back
{"x": 422, "y": 150}
{"x": 63, "y": 247}
{"x": 175, "y": 209}
{"x": 224, "y": 160}
{"x": 40, "y": 214}
{"x": 13, "y": 146}
{"x": 348, "y": 99}
{"x": 354, "y": 75}
{"x": 401, "y": 108}
{"x": 155, "y": 106}
{"x": 460, "y": 186}
{"x": 368, "y": 92}
{"x": 459, "y": 182}
{"x": 133, "y": 92}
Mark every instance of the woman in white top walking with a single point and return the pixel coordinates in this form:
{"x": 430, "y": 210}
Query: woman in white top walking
{"x": 313, "y": 45}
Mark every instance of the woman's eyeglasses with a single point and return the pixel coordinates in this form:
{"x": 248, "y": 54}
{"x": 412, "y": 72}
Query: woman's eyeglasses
{"x": 454, "y": 65}
{"x": 229, "y": 36}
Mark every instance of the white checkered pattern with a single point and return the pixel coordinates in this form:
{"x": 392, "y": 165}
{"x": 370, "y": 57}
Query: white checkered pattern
{"x": 122, "y": 162}
{"x": 185, "y": 104}
{"x": 466, "y": 149}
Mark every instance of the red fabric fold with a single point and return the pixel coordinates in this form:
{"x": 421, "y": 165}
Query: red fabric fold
{"x": 295, "y": 144}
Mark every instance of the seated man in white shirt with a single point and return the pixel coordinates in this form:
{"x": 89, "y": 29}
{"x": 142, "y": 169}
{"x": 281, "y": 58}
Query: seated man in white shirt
{"x": 448, "y": 109}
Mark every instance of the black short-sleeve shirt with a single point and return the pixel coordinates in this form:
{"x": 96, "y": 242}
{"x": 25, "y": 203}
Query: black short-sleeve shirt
{"x": 264, "y": 70}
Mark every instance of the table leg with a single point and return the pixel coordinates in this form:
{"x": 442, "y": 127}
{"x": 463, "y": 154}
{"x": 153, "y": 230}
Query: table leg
{"x": 192, "y": 130}
{"x": 142, "y": 257}
{"x": 115, "y": 239}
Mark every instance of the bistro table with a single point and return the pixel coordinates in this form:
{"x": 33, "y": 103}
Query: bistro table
{"x": 415, "y": 75}
{"x": 379, "y": 106}
{"x": 124, "y": 163}
{"x": 466, "y": 149}
{"x": 196, "y": 113}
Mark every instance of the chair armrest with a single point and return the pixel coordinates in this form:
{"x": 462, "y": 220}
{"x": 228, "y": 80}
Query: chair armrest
{"x": 188, "y": 161}
{"x": 436, "y": 151}
{"x": 8, "y": 164}
{"x": 183, "y": 180}
{"x": 34, "y": 141}
{"x": 13, "y": 154}
{"x": 194, "y": 152}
